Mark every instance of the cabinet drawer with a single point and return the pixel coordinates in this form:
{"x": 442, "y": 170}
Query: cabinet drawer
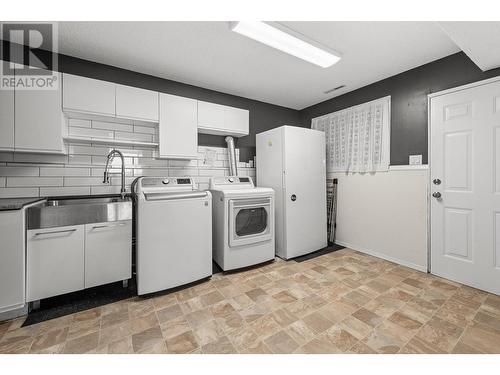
{"x": 83, "y": 94}
{"x": 55, "y": 258}
{"x": 108, "y": 252}
{"x": 135, "y": 103}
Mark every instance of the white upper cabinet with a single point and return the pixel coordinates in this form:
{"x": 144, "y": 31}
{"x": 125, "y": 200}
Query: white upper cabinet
{"x": 222, "y": 120}
{"x": 135, "y": 103}
{"x": 93, "y": 96}
{"x": 178, "y": 127}
{"x": 38, "y": 120}
{"x": 210, "y": 115}
{"x": 6, "y": 119}
{"x": 237, "y": 120}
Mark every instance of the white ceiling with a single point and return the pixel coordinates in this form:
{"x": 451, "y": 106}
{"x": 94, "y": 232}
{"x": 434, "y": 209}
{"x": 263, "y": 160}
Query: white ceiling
{"x": 479, "y": 40}
{"x": 209, "y": 55}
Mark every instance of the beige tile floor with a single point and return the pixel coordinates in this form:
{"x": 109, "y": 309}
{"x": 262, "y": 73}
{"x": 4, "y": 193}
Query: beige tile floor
{"x": 343, "y": 302}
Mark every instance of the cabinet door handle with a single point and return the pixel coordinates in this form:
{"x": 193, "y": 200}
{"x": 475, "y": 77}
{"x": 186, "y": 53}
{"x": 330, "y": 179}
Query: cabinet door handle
{"x": 108, "y": 226}
{"x": 56, "y": 232}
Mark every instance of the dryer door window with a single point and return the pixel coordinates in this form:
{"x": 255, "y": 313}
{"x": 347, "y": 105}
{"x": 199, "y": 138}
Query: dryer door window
{"x": 250, "y": 221}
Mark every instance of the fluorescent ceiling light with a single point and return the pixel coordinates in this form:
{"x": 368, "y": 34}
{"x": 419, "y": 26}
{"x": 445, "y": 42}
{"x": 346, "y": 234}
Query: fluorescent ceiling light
{"x": 286, "y": 40}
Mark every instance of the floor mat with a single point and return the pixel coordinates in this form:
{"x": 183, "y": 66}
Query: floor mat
{"x": 55, "y": 307}
{"x": 326, "y": 250}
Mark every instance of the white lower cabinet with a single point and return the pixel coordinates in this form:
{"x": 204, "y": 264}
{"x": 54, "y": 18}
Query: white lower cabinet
{"x": 66, "y": 259}
{"x": 12, "y": 260}
{"x": 55, "y": 261}
{"x": 108, "y": 252}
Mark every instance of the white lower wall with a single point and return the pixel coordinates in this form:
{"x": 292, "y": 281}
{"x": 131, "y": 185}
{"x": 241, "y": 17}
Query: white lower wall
{"x": 384, "y": 214}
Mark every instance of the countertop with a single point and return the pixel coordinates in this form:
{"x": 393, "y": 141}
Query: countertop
{"x": 8, "y": 204}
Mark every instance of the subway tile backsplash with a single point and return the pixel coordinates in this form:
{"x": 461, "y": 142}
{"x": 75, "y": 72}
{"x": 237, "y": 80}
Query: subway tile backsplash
{"x": 81, "y": 171}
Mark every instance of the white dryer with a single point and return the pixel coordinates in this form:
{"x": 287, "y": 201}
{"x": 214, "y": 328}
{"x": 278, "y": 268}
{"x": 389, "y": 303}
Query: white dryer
{"x": 243, "y": 222}
{"x": 173, "y": 233}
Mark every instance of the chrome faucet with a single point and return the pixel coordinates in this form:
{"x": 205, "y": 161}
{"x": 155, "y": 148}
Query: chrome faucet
{"x": 110, "y": 157}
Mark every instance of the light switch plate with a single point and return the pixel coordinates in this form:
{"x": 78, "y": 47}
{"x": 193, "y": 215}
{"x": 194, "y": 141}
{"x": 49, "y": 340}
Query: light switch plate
{"x": 415, "y": 160}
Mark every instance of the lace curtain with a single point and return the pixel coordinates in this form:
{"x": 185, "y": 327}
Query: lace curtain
{"x": 357, "y": 138}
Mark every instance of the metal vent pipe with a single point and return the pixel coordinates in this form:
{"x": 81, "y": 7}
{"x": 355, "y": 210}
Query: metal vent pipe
{"x": 231, "y": 152}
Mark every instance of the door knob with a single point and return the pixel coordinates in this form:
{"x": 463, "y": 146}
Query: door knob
{"x": 436, "y": 181}
{"x": 293, "y": 197}
{"x": 436, "y": 194}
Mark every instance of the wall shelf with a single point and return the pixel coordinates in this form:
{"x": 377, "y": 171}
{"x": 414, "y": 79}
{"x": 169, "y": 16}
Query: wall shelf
{"x": 111, "y": 142}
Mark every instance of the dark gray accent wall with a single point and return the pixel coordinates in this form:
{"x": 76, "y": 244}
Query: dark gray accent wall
{"x": 408, "y": 92}
{"x": 263, "y": 116}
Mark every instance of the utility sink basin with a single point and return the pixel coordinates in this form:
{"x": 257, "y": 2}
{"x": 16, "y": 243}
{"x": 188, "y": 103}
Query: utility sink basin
{"x": 74, "y": 211}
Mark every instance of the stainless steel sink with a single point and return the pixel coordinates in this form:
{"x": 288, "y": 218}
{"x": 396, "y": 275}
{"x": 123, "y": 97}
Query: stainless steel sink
{"x": 74, "y": 211}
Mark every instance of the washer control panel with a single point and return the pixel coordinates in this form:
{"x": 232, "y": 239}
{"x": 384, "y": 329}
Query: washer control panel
{"x": 240, "y": 182}
{"x": 166, "y": 181}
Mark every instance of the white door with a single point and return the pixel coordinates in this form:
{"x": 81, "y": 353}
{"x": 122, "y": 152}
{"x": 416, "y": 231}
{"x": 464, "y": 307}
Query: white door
{"x": 178, "y": 128}
{"x": 465, "y": 157}
{"x": 305, "y": 191}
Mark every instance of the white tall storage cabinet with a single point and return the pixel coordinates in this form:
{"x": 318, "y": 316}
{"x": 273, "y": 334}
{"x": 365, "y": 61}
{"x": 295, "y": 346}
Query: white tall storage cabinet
{"x": 292, "y": 161}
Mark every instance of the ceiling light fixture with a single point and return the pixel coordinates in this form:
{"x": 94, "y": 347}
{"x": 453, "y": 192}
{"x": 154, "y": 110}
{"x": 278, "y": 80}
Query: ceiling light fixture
{"x": 280, "y": 37}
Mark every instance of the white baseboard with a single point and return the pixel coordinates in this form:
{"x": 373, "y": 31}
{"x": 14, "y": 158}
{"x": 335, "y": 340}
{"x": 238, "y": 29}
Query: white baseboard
{"x": 15, "y": 313}
{"x": 383, "y": 256}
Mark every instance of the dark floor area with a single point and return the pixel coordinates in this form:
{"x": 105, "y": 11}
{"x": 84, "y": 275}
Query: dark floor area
{"x": 55, "y": 307}
{"x": 329, "y": 249}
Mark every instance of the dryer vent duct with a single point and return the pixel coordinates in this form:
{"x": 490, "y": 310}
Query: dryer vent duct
{"x": 231, "y": 152}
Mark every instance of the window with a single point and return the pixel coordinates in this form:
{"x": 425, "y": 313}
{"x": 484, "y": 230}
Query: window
{"x": 357, "y": 138}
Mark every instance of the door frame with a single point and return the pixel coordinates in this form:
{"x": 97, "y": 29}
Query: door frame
{"x": 429, "y": 153}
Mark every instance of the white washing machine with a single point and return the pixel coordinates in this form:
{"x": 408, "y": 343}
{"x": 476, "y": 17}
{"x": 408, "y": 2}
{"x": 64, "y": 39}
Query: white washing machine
{"x": 243, "y": 222}
{"x": 173, "y": 233}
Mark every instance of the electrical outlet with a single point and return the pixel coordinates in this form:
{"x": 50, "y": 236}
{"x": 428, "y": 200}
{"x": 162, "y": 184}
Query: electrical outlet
{"x": 415, "y": 159}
